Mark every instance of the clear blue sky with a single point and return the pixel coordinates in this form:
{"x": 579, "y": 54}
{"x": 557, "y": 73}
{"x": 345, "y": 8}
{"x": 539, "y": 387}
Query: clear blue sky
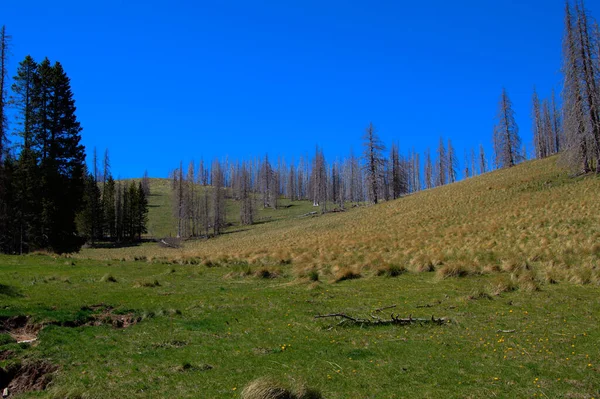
{"x": 161, "y": 81}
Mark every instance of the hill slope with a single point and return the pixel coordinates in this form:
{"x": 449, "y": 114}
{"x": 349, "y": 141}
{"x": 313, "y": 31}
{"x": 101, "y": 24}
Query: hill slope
{"x": 533, "y": 216}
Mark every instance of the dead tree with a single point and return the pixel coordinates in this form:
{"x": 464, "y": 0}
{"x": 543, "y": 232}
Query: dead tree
{"x": 373, "y": 161}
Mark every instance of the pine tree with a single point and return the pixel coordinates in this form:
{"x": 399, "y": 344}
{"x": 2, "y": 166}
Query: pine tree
{"x": 4, "y": 43}
{"x": 140, "y": 210}
{"x": 87, "y": 217}
{"x": 109, "y": 206}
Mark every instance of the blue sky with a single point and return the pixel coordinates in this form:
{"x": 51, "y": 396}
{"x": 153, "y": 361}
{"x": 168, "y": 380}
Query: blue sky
{"x": 156, "y": 82}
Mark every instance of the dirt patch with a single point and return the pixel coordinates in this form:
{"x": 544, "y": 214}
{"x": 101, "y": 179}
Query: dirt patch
{"x": 26, "y": 377}
{"x": 20, "y": 328}
{"x": 106, "y": 315}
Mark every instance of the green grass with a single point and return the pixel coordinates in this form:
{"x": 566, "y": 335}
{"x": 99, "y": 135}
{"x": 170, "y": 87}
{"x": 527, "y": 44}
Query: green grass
{"x": 162, "y": 223}
{"x": 207, "y": 333}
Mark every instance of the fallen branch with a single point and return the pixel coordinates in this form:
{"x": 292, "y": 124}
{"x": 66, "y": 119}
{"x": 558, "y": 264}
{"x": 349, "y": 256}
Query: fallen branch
{"x": 394, "y": 320}
{"x": 308, "y": 214}
{"x": 506, "y": 331}
{"x": 384, "y": 308}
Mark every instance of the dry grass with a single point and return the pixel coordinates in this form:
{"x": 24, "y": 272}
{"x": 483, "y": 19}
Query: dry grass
{"x": 532, "y": 217}
{"x": 265, "y": 388}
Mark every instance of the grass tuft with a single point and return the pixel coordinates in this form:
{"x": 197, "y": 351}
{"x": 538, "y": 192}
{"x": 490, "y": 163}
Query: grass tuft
{"x": 108, "y": 278}
{"x": 147, "y": 284}
{"x": 346, "y": 273}
{"x": 266, "y": 388}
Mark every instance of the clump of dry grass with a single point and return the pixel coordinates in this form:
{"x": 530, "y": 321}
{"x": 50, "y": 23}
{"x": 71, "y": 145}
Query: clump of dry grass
{"x": 346, "y": 273}
{"x": 266, "y": 388}
{"x": 500, "y": 285}
{"x": 147, "y": 283}
{"x": 454, "y": 269}
{"x": 391, "y": 270}
{"x": 108, "y": 278}
{"x": 526, "y": 280}
{"x": 585, "y": 274}
{"x": 267, "y": 272}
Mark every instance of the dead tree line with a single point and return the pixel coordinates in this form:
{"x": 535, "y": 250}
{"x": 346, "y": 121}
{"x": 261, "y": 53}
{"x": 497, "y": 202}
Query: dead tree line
{"x": 200, "y": 191}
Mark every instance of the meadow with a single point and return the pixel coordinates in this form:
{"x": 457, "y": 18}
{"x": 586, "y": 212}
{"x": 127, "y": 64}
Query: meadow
{"x": 509, "y": 260}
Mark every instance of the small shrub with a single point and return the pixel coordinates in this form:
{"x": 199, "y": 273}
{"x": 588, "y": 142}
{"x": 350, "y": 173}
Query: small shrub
{"x": 313, "y": 275}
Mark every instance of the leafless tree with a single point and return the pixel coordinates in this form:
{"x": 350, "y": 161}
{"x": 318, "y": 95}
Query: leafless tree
{"x": 556, "y": 124}
{"x": 451, "y": 163}
{"x": 539, "y": 138}
{"x": 428, "y": 170}
{"x": 373, "y": 161}
{"x": 218, "y": 198}
{"x": 506, "y": 134}
{"x": 441, "y": 164}
{"x": 246, "y": 200}
{"x": 482, "y": 160}
{"x": 581, "y": 99}
{"x": 318, "y": 181}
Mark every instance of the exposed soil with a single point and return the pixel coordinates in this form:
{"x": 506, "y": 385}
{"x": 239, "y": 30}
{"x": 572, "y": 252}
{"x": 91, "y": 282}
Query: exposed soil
{"x": 19, "y": 328}
{"x": 22, "y": 330}
{"x": 104, "y": 314}
{"x": 26, "y": 377}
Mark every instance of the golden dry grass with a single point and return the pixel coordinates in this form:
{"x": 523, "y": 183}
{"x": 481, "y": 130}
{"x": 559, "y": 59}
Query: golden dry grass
{"x": 532, "y": 221}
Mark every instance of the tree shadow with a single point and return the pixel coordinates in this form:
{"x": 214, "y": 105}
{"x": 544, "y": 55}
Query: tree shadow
{"x": 10, "y": 291}
{"x": 115, "y": 245}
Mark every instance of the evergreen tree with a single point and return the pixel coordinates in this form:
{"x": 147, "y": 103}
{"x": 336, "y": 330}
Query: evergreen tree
{"x": 87, "y": 217}
{"x": 4, "y": 42}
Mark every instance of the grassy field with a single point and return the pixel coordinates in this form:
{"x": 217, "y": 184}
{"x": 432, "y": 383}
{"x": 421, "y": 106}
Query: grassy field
{"x": 205, "y": 333}
{"x": 207, "y": 319}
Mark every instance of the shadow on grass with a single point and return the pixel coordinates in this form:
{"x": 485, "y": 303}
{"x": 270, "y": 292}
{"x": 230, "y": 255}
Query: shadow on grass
{"x": 124, "y": 244}
{"x": 10, "y": 291}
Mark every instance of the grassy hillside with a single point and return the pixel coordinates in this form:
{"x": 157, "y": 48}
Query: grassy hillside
{"x": 162, "y": 223}
{"x": 532, "y": 217}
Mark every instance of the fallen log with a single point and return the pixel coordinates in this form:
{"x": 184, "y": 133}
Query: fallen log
{"x": 308, "y": 214}
{"x": 394, "y": 319}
